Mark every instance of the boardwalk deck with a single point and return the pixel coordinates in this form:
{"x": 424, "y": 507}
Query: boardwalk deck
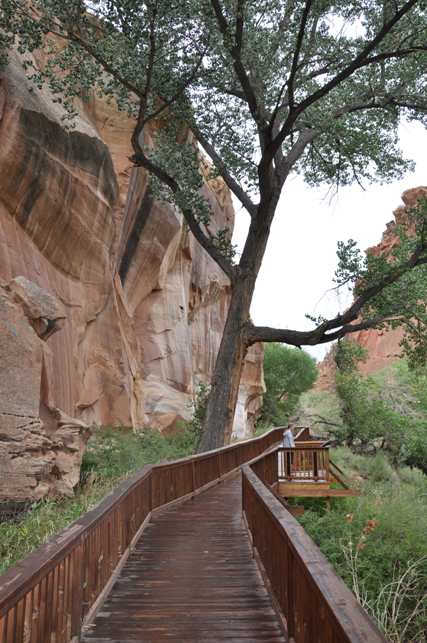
{"x": 191, "y": 578}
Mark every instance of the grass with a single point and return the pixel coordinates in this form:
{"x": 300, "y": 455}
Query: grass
{"x": 111, "y": 456}
{"x": 377, "y": 541}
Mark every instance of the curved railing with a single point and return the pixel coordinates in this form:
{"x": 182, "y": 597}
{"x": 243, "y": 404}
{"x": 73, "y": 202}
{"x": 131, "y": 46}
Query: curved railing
{"x": 316, "y": 604}
{"x": 51, "y": 593}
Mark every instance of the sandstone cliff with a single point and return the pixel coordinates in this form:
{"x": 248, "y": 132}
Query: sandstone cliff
{"x": 142, "y": 306}
{"x": 382, "y": 346}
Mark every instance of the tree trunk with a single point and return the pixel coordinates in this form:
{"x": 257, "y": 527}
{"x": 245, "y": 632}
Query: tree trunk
{"x": 218, "y": 422}
{"x": 222, "y": 399}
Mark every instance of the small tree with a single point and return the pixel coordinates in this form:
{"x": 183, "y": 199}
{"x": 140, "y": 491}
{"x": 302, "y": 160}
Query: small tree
{"x": 267, "y": 88}
{"x": 288, "y": 372}
{"x": 390, "y": 412}
{"x": 347, "y": 355}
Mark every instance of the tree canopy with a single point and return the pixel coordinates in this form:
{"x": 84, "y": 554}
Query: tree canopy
{"x": 263, "y": 90}
{"x": 288, "y": 372}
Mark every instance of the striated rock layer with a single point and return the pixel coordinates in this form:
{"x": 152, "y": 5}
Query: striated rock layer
{"x": 40, "y": 446}
{"x": 140, "y": 307}
{"x": 382, "y": 346}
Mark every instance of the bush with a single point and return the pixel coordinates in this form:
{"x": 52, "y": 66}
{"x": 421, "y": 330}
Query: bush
{"x": 366, "y": 417}
{"x": 376, "y": 542}
{"x": 387, "y": 411}
{"x": 112, "y": 453}
{"x": 377, "y": 468}
{"x": 194, "y": 428}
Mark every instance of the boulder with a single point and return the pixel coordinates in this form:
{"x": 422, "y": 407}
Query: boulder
{"x": 40, "y": 447}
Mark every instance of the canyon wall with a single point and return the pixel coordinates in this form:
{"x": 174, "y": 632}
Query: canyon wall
{"x": 136, "y": 307}
{"x": 382, "y": 346}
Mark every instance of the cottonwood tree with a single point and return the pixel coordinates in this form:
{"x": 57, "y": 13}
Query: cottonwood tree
{"x": 288, "y": 372}
{"x": 267, "y": 89}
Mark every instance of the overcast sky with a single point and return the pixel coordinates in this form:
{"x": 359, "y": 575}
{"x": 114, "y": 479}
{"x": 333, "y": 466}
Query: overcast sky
{"x": 300, "y": 260}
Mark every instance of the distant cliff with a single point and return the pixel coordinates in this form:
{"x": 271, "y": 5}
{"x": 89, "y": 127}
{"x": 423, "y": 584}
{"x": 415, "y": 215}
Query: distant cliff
{"x": 382, "y": 346}
{"x": 110, "y": 312}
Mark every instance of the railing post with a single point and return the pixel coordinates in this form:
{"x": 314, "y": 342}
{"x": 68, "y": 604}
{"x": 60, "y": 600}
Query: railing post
{"x": 327, "y": 465}
{"x": 193, "y": 475}
{"x": 290, "y": 616}
{"x": 288, "y": 465}
{"x": 280, "y": 464}
{"x": 315, "y": 466}
{"x": 151, "y": 491}
{"x": 78, "y": 587}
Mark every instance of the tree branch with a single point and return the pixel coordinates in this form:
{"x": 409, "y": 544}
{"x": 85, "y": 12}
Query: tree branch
{"x": 345, "y": 73}
{"x": 306, "y": 136}
{"x": 342, "y": 324}
{"x": 257, "y": 111}
{"x": 209, "y": 245}
{"x": 306, "y": 338}
{"x": 222, "y": 168}
{"x": 146, "y": 90}
{"x": 418, "y": 258}
{"x": 167, "y": 102}
{"x": 140, "y": 159}
{"x": 297, "y": 51}
{"x": 398, "y": 53}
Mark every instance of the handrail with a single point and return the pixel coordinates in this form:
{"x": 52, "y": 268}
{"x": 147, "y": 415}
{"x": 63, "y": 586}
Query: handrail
{"x": 303, "y": 464}
{"x": 48, "y": 595}
{"x": 315, "y": 602}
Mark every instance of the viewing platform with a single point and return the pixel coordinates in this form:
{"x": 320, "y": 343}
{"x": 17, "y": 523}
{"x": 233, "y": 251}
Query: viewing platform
{"x": 307, "y": 470}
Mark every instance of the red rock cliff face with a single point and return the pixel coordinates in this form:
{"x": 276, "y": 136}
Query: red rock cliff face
{"x": 142, "y": 305}
{"x": 382, "y": 346}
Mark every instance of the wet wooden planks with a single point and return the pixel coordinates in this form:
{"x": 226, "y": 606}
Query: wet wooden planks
{"x": 191, "y": 578}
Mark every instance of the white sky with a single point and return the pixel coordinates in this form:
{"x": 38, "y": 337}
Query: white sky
{"x": 301, "y": 255}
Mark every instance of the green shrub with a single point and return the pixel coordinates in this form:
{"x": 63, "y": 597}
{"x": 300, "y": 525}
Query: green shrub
{"x": 194, "y": 428}
{"x": 353, "y": 463}
{"x": 44, "y": 520}
{"x": 387, "y": 411}
{"x": 373, "y": 540}
{"x": 377, "y": 468}
{"x": 112, "y": 453}
{"x": 414, "y": 477}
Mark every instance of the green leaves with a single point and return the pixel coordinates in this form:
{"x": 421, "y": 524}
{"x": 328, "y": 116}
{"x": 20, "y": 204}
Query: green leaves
{"x": 351, "y": 263}
{"x": 288, "y": 372}
{"x": 222, "y": 241}
{"x": 268, "y": 88}
{"x": 107, "y": 47}
{"x": 348, "y": 354}
{"x": 387, "y": 410}
{"x": 391, "y": 283}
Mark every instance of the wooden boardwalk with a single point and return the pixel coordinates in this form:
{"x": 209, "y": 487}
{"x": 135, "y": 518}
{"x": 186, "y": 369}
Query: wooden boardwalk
{"x": 191, "y": 578}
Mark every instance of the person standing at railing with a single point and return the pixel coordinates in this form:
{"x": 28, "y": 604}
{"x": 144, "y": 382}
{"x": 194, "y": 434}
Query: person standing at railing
{"x": 288, "y": 438}
{"x": 288, "y": 443}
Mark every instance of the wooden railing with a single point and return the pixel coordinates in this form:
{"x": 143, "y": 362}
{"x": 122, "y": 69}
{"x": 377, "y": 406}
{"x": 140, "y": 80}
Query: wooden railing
{"x": 303, "y": 463}
{"x": 48, "y": 596}
{"x": 316, "y": 604}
